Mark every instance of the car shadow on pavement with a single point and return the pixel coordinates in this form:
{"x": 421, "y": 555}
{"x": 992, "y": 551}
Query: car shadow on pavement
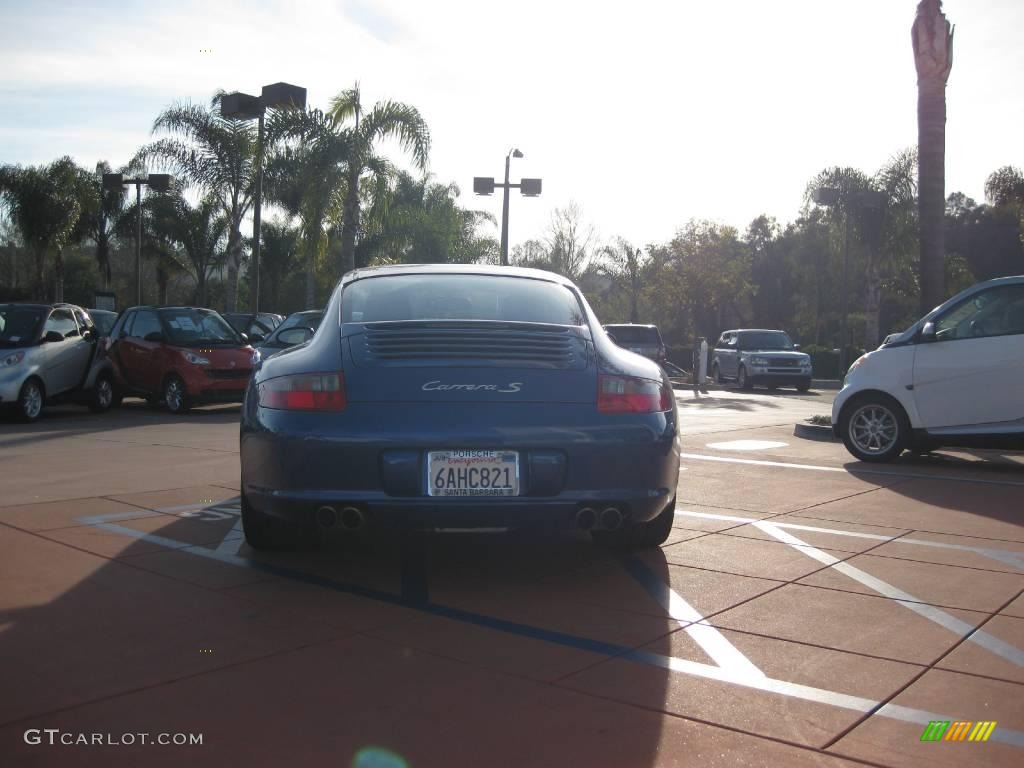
{"x": 315, "y": 655}
{"x": 732, "y": 404}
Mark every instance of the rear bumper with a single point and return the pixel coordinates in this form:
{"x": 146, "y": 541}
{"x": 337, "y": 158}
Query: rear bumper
{"x": 374, "y": 457}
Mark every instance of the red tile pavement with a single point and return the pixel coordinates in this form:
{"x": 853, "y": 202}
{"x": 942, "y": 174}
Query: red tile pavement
{"x": 972, "y": 658}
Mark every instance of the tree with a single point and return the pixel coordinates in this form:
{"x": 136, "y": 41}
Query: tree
{"x": 423, "y": 223}
{"x": 569, "y": 241}
{"x": 307, "y": 175}
{"x": 199, "y": 231}
{"x": 933, "y": 56}
{"x": 280, "y": 252}
{"x": 217, "y": 155}
{"x": 1005, "y": 190}
{"x": 102, "y": 208}
{"x": 388, "y": 119}
{"x": 623, "y": 265}
{"x": 44, "y": 206}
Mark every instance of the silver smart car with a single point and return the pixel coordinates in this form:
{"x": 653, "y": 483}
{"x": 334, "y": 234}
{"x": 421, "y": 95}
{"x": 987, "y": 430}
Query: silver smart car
{"x": 50, "y": 351}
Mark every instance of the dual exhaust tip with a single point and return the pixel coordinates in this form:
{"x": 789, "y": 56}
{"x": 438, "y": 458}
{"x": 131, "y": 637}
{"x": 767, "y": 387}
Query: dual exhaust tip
{"x": 349, "y": 518}
{"x": 608, "y": 519}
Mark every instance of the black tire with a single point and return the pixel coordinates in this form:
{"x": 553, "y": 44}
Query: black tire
{"x": 30, "y": 400}
{"x": 803, "y": 387}
{"x": 716, "y": 374}
{"x": 633, "y": 536}
{"x": 175, "y": 395}
{"x": 875, "y": 427}
{"x": 742, "y": 380}
{"x": 101, "y": 399}
{"x": 267, "y": 533}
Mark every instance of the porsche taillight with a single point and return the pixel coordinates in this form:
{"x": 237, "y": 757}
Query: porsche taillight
{"x": 626, "y": 394}
{"x": 304, "y": 392}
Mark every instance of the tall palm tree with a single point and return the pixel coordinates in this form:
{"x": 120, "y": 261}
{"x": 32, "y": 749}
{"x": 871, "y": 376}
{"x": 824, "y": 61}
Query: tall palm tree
{"x": 217, "y": 155}
{"x": 387, "y": 119}
{"x": 307, "y": 174}
{"x": 198, "y": 230}
{"x": 44, "y": 206}
{"x": 933, "y": 55}
{"x": 102, "y": 208}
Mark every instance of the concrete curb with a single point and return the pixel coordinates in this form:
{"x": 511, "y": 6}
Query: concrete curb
{"x": 813, "y": 432}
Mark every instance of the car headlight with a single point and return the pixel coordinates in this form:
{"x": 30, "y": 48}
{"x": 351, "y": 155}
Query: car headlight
{"x": 805, "y": 363}
{"x": 14, "y": 358}
{"x": 856, "y": 364}
{"x": 195, "y": 359}
{"x": 759, "y": 361}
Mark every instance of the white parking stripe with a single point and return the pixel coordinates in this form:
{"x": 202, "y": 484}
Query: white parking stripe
{"x": 952, "y": 623}
{"x": 849, "y": 470}
{"x": 1002, "y": 555}
{"x": 233, "y": 541}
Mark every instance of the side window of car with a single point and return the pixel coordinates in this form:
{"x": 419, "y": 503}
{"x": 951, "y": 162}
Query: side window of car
{"x": 126, "y": 326}
{"x": 63, "y": 322}
{"x": 145, "y": 324}
{"x": 998, "y": 311}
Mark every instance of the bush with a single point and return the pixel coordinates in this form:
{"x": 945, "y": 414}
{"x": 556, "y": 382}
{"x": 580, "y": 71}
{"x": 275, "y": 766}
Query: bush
{"x": 825, "y": 361}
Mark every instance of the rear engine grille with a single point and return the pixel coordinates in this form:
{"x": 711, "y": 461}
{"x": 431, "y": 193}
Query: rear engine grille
{"x": 517, "y": 343}
{"x": 230, "y": 373}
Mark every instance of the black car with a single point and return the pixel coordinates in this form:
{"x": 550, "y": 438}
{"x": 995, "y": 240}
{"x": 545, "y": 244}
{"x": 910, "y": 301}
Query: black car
{"x": 643, "y": 339}
{"x": 256, "y": 326}
{"x": 297, "y": 328}
{"x": 446, "y": 396}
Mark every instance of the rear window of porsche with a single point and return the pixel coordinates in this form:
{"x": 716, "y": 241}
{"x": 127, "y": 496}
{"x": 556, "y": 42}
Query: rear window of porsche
{"x": 459, "y": 297}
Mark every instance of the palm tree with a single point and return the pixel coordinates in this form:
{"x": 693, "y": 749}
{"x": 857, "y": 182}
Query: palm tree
{"x": 933, "y": 56}
{"x": 44, "y": 206}
{"x": 307, "y": 174}
{"x": 279, "y": 254}
{"x": 624, "y": 265}
{"x": 388, "y": 119}
{"x": 217, "y": 155}
{"x": 101, "y": 210}
{"x": 198, "y": 230}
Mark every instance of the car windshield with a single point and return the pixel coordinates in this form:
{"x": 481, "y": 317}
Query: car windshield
{"x": 303, "y": 319}
{"x": 766, "y": 340}
{"x": 459, "y": 297}
{"x": 634, "y": 334}
{"x": 197, "y": 327}
{"x": 19, "y": 325}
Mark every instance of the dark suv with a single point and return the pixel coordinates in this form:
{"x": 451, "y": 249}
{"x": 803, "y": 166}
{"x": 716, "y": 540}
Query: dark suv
{"x": 642, "y": 339}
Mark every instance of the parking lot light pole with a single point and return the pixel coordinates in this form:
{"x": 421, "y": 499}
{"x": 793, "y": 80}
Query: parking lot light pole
{"x": 485, "y": 186}
{"x": 242, "y": 106}
{"x": 160, "y": 182}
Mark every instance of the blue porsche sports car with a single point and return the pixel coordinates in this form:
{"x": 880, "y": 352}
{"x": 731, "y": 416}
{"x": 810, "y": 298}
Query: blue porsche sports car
{"x": 446, "y": 396}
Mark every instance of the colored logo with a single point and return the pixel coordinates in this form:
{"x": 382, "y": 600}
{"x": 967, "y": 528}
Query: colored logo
{"x": 958, "y": 730}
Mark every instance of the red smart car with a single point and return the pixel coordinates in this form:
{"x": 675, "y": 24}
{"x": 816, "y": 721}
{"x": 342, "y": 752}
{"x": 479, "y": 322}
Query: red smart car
{"x": 182, "y": 356}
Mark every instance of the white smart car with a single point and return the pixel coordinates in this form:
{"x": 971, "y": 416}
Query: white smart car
{"x": 954, "y": 378}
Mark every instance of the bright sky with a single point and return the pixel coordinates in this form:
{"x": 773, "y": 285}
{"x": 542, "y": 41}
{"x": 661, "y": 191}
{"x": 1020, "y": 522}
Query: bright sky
{"x": 645, "y": 113}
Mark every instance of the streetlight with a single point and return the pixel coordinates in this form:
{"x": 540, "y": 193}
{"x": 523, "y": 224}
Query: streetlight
{"x": 242, "y": 106}
{"x": 528, "y": 188}
{"x": 160, "y": 182}
{"x": 865, "y": 200}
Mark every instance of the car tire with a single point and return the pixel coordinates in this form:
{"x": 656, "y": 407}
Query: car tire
{"x": 175, "y": 396}
{"x": 102, "y": 397}
{"x": 803, "y": 387}
{"x": 30, "y": 400}
{"x": 633, "y": 536}
{"x": 716, "y": 374}
{"x": 742, "y": 380}
{"x": 267, "y": 533}
{"x": 875, "y": 427}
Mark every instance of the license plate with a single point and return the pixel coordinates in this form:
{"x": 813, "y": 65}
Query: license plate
{"x": 472, "y": 473}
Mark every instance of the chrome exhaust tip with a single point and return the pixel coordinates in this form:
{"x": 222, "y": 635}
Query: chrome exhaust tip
{"x": 611, "y": 519}
{"x": 327, "y": 517}
{"x": 352, "y": 518}
{"x": 586, "y": 518}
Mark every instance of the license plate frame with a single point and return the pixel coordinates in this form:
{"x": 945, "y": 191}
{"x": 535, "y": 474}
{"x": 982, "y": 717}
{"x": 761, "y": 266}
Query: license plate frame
{"x": 500, "y": 465}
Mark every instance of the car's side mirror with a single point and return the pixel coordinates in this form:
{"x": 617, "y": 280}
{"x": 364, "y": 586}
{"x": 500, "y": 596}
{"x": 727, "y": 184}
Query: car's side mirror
{"x": 928, "y": 331}
{"x": 53, "y": 336}
{"x": 245, "y": 337}
{"x": 796, "y": 346}
{"x": 155, "y": 336}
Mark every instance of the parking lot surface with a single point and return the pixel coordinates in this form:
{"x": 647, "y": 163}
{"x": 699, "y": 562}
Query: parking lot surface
{"x": 807, "y": 610}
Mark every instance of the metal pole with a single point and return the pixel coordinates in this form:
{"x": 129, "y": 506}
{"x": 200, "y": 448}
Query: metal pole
{"x": 504, "y": 216}
{"x": 138, "y": 241}
{"x": 257, "y": 202}
{"x": 842, "y": 318}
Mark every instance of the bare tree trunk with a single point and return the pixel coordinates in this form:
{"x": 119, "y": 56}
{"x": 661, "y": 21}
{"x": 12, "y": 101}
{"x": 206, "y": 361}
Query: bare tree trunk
{"x": 350, "y": 219}
{"x": 234, "y": 261}
{"x": 933, "y": 55}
